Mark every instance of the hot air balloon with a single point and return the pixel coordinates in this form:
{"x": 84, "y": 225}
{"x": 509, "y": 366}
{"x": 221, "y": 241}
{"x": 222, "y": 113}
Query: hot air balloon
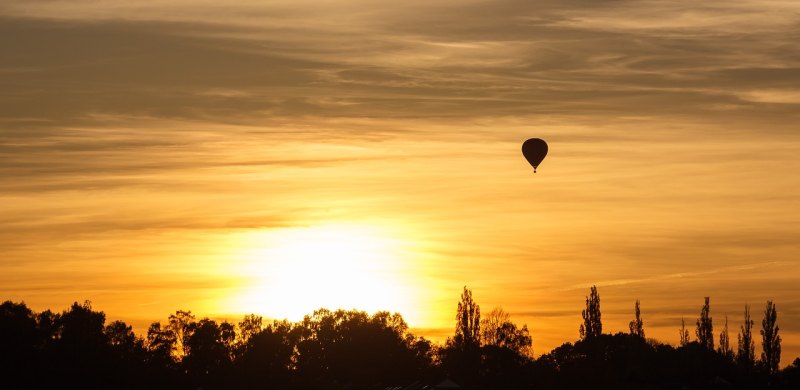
{"x": 534, "y": 151}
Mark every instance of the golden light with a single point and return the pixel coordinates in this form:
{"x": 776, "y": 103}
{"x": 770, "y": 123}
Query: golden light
{"x": 299, "y": 270}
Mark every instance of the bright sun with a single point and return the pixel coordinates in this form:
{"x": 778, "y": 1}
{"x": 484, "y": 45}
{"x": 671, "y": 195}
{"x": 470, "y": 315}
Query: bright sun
{"x": 300, "y": 270}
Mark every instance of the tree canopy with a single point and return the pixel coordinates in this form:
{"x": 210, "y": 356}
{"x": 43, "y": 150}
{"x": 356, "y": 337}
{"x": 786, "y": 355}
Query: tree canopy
{"x": 351, "y": 349}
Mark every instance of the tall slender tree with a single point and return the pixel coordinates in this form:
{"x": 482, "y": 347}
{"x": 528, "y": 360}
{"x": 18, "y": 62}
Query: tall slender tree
{"x": 745, "y": 353}
{"x": 725, "y": 341}
{"x": 770, "y": 340}
{"x": 592, "y": 327}
{"x": 684, "y": 333}
{"x": 637, "y": 325}
{"x": 705, "y": 328}
{"x": 468, "y": 319}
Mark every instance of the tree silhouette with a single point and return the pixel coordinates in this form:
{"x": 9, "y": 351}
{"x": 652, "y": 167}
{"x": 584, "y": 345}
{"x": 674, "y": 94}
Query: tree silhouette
{"x": 81, "y": 327}
{"x": 18, "y": 339}
{"x": 208, "y": 348}
{"x": 515, "y": 339}
{"x": 497, "y": 330}
{"x": 354, "y": 349}
{"x": 490, "y": 323}
{"x": 789, "y": 378}
{"x": 461, "y": 356}
{"x": 126, "y": 353}
{"x": 124, "y": 344}
{"x": 725, "y": 341}
{"x": 47, "y": 323}
{"x": 81, "y": 349}
{"x": 268, "y": 355}
{"x": 746, "y": 347}
{"x": 179, "y": 326}
{"x": 468, "y": 319}
{"x": 160, "y": 343}
{"x": 684, "y": 333}
{"x": 350, "y": 349}
{"x": 250, "y": 326}
{"x": 637, "y": 325}
{"x": 771, "y": 341}
{"x": 592, "y": 326}
{"x": 705, "y": 328}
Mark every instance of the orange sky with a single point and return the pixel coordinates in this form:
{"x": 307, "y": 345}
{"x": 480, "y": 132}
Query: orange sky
{"x": 189, "y": 155}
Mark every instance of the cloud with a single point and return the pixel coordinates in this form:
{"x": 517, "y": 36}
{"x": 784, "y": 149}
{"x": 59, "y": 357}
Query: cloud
{"x": 437, "y": 61}
{"x": 773, "y": 96}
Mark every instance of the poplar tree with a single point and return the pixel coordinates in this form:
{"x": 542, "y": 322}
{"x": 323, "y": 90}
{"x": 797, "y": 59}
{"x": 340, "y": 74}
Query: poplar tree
{"x": 637, "y": 325}
{"x": 468, "y": 319}
{"x": 745, "y": 353}
{"x": 705, "y": 329}
{"x": 770, "y": 340}
{"x": 684, "y": 333}
{"x": 592, "y": 327}
{"x": 725, "y": 341}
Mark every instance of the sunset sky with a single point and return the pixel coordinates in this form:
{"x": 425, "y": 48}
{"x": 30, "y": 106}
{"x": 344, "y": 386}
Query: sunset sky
{"x": 273, "y": 157}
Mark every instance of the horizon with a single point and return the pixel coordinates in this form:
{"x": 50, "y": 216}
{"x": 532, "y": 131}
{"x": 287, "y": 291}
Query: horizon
{"x": 441, "y": 335}
{"x": 276, "y": 158}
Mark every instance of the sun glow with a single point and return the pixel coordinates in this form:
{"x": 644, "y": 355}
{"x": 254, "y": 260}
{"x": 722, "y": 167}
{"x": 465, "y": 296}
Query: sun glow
{"x": 299, "y": 270}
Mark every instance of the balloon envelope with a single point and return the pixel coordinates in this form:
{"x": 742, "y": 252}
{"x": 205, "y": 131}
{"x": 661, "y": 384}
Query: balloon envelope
{"x": 534, "y": 151}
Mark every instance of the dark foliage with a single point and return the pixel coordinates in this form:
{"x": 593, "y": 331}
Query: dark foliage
{"x": 745, "y": 354}
{"x": 592, "y": 325}
{"x": 725, "y": 341}
{"x": 770, "y": 340}
{"x": 683, "y": 333}
{"x": 636, "y": 326}
{"x": 355, "y": 350}
{"x": 705, "y": 327}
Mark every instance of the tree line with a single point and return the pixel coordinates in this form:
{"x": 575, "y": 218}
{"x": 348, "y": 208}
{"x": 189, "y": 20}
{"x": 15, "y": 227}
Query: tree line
{"x": 351, "y": 349}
